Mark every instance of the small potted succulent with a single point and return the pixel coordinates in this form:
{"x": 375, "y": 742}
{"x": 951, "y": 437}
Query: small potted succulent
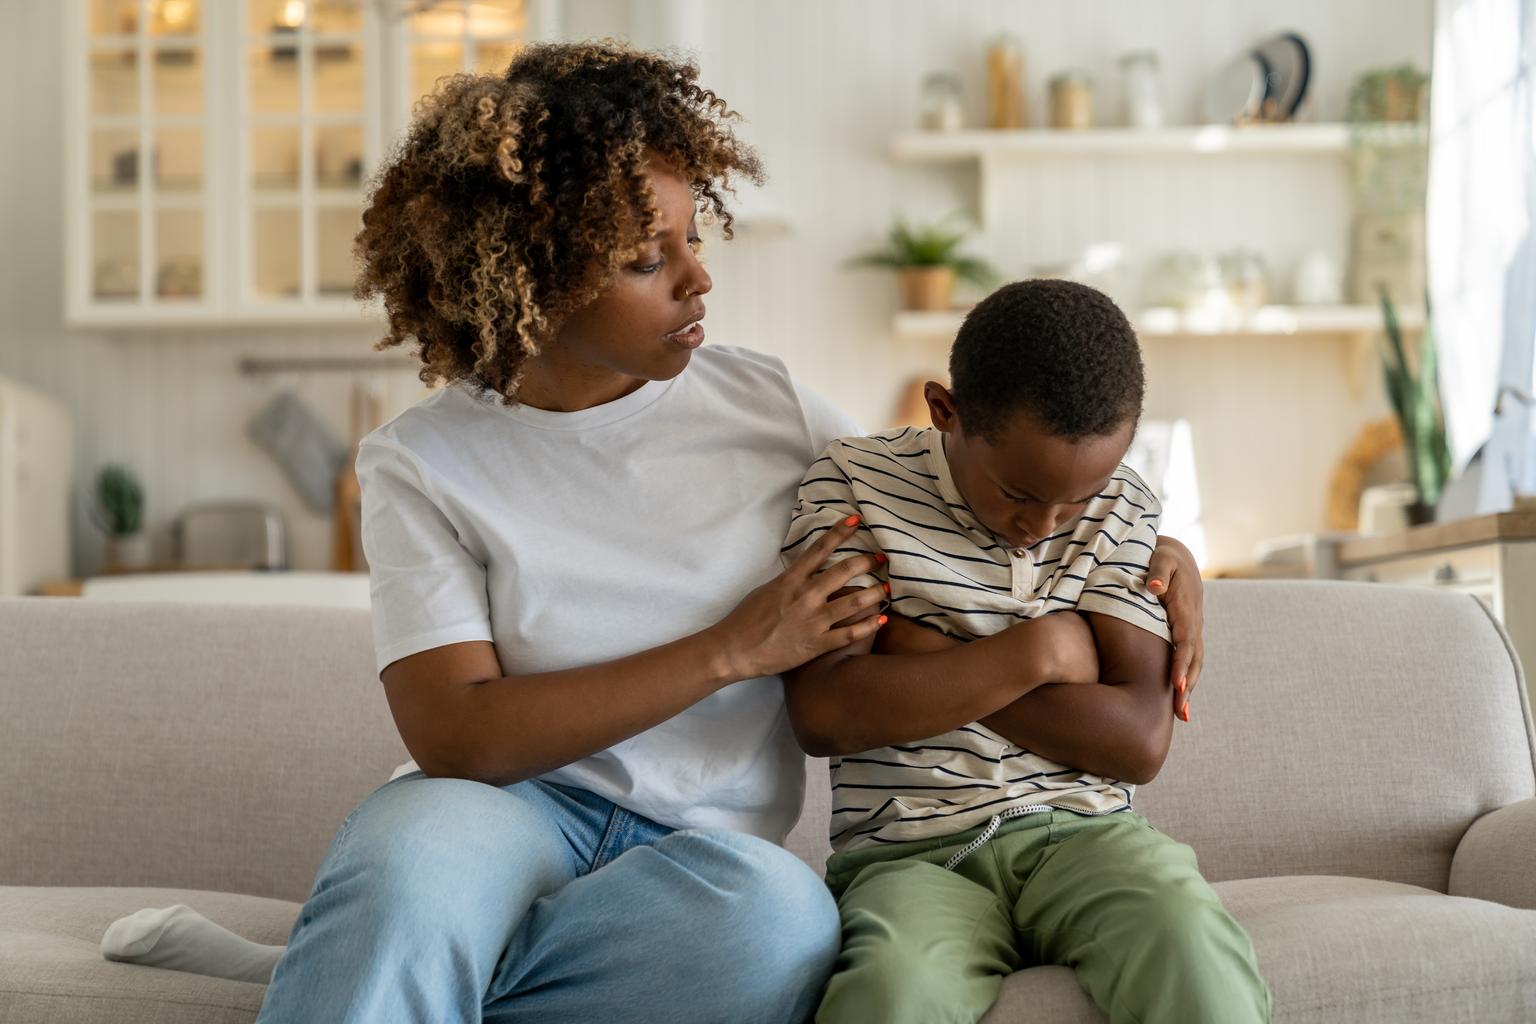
{"x": 927, "y": 262}
{"x": 119, "y": 513}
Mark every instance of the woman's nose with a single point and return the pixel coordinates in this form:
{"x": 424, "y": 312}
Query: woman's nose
{"x": 696, "y": 282}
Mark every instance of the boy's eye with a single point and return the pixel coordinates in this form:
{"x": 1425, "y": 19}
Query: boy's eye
{"x": 1015, "y": 498}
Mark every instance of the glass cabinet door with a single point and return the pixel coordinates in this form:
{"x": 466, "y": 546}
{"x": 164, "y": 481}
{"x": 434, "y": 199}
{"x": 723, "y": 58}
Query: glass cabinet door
{"x": 452, "y": 36}
{"x": 306, "y": 117}
{"x": 145, "y": 193}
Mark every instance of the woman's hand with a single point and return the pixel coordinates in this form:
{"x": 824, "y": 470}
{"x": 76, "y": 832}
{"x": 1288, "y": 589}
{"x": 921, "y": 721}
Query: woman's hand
{"x": 790, "y": 620}
{"x": 1174, "y": 578}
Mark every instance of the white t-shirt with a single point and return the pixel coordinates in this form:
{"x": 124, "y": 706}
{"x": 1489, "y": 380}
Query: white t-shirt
{"x": 576, "y": 538}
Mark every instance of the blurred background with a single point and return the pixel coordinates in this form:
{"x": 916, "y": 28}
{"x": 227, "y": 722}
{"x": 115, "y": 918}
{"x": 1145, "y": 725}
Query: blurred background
{"x": 183, "y": 373}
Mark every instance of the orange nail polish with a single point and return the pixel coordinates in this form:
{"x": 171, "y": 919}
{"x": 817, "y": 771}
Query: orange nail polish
{"x": 1185, "y": 713}
{"x": 883, "y": 620}
{"x": 887, "y": 587}
{"x": 1182, "y": 683}
{"x": 880, "y": 558}
{"x": 851, "y": 521}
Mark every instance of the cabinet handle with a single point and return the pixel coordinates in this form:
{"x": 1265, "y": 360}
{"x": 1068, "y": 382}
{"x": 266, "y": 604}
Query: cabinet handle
{"x": 1446, "y": 573}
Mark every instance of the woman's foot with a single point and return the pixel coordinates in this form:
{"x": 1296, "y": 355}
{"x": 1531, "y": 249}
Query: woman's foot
{"x": 180, "y": 939}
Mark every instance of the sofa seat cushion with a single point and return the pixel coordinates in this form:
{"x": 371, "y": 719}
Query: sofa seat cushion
{"x": 52, "y": 972}
{"x": 1349, "y": 950}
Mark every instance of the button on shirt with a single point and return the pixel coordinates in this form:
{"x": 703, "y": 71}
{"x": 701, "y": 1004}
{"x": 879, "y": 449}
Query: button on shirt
{"x": 946, "y": 570}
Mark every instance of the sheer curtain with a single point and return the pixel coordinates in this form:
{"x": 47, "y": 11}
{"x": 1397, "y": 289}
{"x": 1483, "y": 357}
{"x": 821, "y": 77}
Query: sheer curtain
{"x": 1482, "y": 236}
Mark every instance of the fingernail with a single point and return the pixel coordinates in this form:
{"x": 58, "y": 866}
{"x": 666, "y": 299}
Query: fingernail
{"x": 887, "y": 587}
{"x": 851, "y": 521}
{"x": 1155, "y": 583}
{"x": 880, "y": 558}
{"x": 1182, "y": 683}
{"x": 1185, "y": 713}
{"x": 882, "y": 620}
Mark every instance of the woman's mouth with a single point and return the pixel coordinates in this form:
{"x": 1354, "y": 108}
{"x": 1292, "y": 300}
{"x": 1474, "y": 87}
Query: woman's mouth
{"x": 690, "y": 335}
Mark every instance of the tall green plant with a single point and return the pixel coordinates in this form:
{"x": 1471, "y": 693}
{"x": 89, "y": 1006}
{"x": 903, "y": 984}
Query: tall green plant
{"x": 119, "y": 507}
{"x": 1415, "y": 398}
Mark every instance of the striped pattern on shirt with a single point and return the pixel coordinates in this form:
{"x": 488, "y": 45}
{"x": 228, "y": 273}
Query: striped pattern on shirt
{"x": 947, "y": 571}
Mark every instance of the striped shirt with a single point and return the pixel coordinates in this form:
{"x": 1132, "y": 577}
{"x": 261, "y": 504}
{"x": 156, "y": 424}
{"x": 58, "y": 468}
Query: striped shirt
{"x": 946, "y": 570}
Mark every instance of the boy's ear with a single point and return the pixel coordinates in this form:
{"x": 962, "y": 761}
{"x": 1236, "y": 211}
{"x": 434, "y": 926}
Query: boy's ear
{"x": 941, "y": 406}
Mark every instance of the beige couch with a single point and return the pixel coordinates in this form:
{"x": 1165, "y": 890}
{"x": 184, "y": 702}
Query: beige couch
{"x": 1357, "y": 752}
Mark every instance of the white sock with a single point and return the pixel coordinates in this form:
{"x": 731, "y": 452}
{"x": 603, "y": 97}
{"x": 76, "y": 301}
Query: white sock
{"x": 181, "y": 939}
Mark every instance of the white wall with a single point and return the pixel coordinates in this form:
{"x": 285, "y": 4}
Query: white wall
{"x": 823, "y": 86}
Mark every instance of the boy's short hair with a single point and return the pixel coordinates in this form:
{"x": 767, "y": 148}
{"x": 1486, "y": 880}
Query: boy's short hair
{"x": 1059, "y": 350}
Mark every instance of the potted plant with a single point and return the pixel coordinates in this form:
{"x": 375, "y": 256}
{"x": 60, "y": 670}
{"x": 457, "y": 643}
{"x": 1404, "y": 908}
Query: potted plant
{"x": 1415, "y": 396}
{"x": 119, "y": 513}
{"x": 927, "y": 262}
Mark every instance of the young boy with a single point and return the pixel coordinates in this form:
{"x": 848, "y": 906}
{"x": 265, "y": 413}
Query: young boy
{"x": 978, "y": 827}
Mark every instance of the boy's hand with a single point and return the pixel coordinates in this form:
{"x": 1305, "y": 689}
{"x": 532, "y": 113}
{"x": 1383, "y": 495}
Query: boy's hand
{"x": 1067, "y": 642}
{"x": 902, "y": 636}
{"x": 1174, "y": 578}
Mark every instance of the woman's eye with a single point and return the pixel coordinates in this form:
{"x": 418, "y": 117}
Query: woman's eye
{"x": 649, "y": 268}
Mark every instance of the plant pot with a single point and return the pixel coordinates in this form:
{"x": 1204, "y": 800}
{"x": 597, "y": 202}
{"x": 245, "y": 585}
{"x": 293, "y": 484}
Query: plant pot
{"x": 125, "y": 552}
{"x": 926, "y": 288}
{"x": 1420, "y": 514}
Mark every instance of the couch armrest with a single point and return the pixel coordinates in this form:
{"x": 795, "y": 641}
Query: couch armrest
{"x": 1493, "y": 859}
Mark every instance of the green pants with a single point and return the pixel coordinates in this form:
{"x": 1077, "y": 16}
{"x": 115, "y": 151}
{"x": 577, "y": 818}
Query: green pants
{"x": 1111, "y": 897}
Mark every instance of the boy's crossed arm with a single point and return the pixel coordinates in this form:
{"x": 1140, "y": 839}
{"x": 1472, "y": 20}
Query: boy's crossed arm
{"x": 1119, "y": 727}
{"x": 858, "y": 699}
{"x": 1033, "y": 684}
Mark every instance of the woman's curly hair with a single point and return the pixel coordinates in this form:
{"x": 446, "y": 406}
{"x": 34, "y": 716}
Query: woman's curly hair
{"x": 513, "y": 198}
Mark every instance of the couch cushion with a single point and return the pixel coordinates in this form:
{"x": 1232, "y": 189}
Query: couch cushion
{"x": 1347, "y": 950}
{"x": 51, "y": 969}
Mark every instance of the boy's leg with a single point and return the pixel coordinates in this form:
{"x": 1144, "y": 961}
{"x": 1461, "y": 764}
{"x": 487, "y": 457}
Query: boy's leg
{"x": 1126, "y": 908}
{"x": 920, "y": 944}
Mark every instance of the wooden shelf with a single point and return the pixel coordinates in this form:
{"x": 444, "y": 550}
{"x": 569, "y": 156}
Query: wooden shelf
{"x": 1344, "y": 321}
{"x": 1196, "y": 140}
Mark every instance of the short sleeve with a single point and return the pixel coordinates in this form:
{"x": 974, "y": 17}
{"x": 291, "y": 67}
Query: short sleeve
{"x": 427, "y": 589}
{"x": 1118, "y": 585}
{"x": 824, "y": 500}
{"x": 825, "y": 421}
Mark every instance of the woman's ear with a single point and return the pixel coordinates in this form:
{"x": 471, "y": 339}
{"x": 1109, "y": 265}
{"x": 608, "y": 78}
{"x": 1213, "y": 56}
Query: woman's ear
{"x": 941, "y": 406}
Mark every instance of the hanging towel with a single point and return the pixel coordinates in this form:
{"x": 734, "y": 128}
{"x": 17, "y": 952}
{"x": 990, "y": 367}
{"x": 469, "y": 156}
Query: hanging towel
{"x": 310, "y": 454}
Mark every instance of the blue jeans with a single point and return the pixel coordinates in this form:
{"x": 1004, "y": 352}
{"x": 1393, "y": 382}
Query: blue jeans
{"x": 445, "y": 900}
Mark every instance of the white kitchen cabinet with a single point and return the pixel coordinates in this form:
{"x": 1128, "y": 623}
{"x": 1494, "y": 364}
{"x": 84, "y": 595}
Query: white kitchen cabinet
{"x": 265, "y": 119}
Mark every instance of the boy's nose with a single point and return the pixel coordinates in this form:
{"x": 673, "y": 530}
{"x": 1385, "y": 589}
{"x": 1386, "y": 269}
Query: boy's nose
{"x": 1041, "y": 524}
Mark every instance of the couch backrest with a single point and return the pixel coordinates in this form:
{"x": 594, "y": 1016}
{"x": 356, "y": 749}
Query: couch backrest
{"x": 204, "y": 747}
{"x": 1351, "y": 729}
{"x": 1338, "y": 728}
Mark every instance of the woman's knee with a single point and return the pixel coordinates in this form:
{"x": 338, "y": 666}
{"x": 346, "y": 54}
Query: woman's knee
{"x": 426, "y": 837}
{"x": 767, "y": 914}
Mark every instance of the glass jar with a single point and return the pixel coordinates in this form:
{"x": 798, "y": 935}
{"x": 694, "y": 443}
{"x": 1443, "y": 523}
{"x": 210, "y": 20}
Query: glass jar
{"x": 1140, "y": 80}
{"x": 941, "y": 107}
{"x": 1005, "y": 83}
{"x": 1072, "y": 100}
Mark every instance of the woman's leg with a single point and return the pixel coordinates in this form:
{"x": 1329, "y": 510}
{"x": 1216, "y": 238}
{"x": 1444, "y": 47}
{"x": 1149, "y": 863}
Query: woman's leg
{"x": 416, "y": 900}
{"x": 920, "y": 945}
{"x": 699, "y": 926}
{"x": 1126, "y": 908}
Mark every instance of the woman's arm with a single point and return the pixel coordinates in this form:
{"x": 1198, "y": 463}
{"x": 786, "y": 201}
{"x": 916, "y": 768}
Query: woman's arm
{"x": 460, "y": 717}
